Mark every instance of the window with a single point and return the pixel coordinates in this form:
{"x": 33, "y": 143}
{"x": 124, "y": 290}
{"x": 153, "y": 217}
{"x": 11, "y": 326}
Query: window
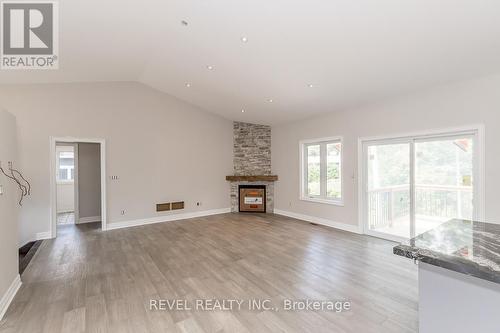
{"x": 66, "y": 166}
{"x": 321, "y": 170}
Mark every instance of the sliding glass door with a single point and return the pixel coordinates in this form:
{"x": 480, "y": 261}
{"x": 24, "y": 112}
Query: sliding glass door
{"x": 414, "y": 184}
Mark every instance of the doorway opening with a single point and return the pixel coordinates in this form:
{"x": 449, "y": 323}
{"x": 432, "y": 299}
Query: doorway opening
{"x": 412, "y": 184}
{"x": 66, "y": 191}
{"x": 78, "y": 184}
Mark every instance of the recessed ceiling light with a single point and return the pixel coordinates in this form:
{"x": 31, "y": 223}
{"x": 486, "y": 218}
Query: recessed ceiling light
{"x": 210, "y": 67}
{"x": 244, "y": 39}
{"x": 188, "y": 85}
{"x": 242, "y": 111}
{"x": 270, "y": 100}
{"x": 310, "y": 85}
{"x": 185, "y": 23}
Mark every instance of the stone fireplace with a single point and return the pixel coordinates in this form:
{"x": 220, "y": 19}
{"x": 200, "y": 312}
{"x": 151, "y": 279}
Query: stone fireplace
{"x": 252, "y": 162}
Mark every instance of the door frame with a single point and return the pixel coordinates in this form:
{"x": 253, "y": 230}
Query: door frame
{"x": 53, "y": 198}
{"x": 479, "y": 169}
{"x": 76, "y": 183}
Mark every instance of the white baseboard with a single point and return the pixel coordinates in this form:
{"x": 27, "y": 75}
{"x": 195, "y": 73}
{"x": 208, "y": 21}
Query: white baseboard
{"x": 320, "y": 220}
{"x": 42, "y": 235}
{"x": 89, "y": 219}
{"x": 9, "y": 295}
{"x": 38, "y": 236}
{"x": 167, "y": 218}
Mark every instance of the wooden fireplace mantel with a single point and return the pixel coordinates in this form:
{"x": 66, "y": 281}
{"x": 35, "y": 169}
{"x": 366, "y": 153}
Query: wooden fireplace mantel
{"x": 261, "y": 178}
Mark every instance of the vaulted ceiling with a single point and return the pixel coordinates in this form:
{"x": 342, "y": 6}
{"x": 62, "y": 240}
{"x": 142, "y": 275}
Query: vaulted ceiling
{"x": 279, "y": 60}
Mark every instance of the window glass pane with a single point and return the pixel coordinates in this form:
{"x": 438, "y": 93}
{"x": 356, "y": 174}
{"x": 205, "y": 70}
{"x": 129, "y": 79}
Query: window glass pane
{"x": 333, "y": 176}
{"x": 63, "y": 174}
{"x": 66, "y": 165}
{"x": 447, "y": 162}
{"x": 313, "y": 169}
{"x": 388, "y": 166}
{"x": 443, "y": 181}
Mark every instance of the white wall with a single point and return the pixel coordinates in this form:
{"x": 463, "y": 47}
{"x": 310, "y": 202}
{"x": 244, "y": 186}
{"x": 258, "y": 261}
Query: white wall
{"x": 9, "y": 268}
{"x": 161, "y": 148}
{"x": 464, "y": 103}
{"x": 65, "y": 197}
{"x": 89, "y": 180}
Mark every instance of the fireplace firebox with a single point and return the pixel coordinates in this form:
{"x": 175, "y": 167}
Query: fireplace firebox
{"x": 252, "y": 198}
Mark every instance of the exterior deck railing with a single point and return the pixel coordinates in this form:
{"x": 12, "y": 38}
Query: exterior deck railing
{"x": 387, "y": 205}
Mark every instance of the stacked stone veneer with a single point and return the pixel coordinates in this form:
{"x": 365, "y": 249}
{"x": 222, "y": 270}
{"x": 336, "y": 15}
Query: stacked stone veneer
{"x": 252, "y": 157}
{"x": 252, "y": 149}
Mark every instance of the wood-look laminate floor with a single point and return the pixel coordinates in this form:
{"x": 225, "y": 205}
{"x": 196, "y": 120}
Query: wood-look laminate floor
{"x": 87, "y": 280}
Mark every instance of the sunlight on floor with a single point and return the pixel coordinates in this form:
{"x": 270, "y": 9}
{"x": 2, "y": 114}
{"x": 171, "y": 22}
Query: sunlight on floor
{"x": 65, "y": 218}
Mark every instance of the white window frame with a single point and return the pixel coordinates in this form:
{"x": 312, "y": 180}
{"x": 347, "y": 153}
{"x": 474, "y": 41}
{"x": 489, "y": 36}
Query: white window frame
{"x": 323, "y": 164}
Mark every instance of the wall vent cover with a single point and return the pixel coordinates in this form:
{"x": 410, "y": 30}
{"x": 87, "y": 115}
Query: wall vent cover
{"x": 178, "y": 205}
{"x": 163, "y": 207}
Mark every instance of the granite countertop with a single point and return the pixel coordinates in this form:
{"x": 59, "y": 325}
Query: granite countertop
{"x": 467, "y": 247}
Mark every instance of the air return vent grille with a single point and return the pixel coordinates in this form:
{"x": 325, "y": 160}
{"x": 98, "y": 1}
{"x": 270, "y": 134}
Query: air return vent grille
{"x": 163, "y": 207}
